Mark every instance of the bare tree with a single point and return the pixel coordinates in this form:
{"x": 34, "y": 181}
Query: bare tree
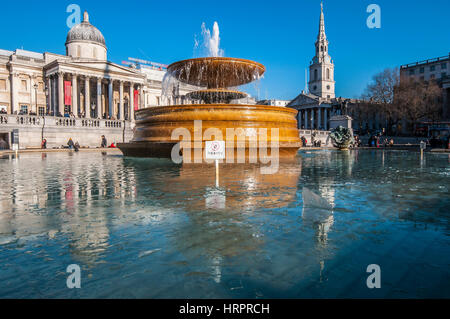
{"x": 394, "y": 100}
{"x": 418, "y": 100}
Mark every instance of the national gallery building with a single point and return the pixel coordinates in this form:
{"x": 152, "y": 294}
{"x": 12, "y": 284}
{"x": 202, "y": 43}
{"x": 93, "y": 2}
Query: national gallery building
{"x": 80, "y": 95}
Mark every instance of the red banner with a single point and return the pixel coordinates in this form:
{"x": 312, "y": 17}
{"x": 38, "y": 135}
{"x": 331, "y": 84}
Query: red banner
{"x": 67, "y": 93}
{"x": 136, "y": 100}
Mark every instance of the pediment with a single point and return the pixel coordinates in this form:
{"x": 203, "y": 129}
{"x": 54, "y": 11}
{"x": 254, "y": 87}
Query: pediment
{"x": 303, "y": 99}
{"x": 105, "y": 66}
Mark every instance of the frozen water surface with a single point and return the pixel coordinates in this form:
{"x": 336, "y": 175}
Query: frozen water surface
{"x": 149, "y": 228}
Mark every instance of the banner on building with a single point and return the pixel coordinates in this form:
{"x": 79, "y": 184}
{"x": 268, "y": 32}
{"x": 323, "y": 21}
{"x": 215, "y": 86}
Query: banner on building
{"x": 67, "y": 93}
{"x": 136, "y": 100}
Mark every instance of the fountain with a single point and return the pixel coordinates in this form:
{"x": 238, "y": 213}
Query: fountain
{"x": 341, "y": 137}
{"x": 253, "y": 126}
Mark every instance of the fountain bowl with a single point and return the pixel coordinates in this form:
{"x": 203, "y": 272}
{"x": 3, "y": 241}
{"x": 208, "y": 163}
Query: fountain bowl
{"x": 216, "y": 72}
{"x": 153, "y": 135}
{"x": 216, "y": 95}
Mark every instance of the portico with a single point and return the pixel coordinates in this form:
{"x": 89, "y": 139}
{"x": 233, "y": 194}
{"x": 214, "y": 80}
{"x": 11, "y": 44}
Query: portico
{"x": 88, "y": 93}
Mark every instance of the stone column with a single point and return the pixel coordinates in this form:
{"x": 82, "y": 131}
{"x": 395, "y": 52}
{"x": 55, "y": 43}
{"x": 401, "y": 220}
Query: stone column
{"x": 87, "y": 97}
{"x": 312, "y": 119}
{"x": 32, "y": 96}
{"x": 49, "y": 94}
{"x": 99, "y": 98}
{"x": 61, "y": 93}
{"x": 306, "y": 119}
{"x": 131, "y": 102}
{"x": 325, "y": 119}
{"x": 319, "y": 117}
{"x": 75, "y": 94}
{"x": 54, "y": 100}
{"x": 110, "y": 98}
{"x": 14, "y": 96}
{"x": 121, "y": 111}
{"x": 141, "y": 97}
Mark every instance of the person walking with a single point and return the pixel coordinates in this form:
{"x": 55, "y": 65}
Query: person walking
{"x": 3, "y": 144}
{"x": 70, "y": 143}
{"x": 104, "y": 142}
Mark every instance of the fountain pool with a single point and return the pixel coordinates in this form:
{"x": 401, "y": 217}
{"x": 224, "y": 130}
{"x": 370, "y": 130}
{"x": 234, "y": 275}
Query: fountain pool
{"x": 142, "y": 227}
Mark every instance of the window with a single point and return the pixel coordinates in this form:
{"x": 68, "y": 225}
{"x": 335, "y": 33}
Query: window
{"x": 2, "y": 85}
{"x": 444, "y": 66}
{"x": 321, "y": 48}
{"x": 328, "y": 74}
{"x": 315, "y": 75}
{"x": 41, "y": 111}
{"x": 432, "y": 68}
{"x": 315, "y": 87}
{"x": 328, "y": 87}
{"x": 422, "y": 70}
{"x": 24, "y": 109}
{"x": 411, "y": 72}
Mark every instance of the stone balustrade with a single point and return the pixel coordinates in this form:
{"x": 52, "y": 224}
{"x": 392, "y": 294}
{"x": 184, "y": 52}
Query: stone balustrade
{"x": 57, "y": 130}
{"x": 49, "y": 121}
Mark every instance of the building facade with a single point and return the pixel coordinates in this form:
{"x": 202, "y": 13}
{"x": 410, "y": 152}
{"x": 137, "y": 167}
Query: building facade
{"x": 437, "y": 69}
{"x": 81, "y": 94}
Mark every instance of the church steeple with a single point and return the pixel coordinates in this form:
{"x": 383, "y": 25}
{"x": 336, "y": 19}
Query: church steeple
{"x": 321, "y": 42}
{"x": 322, "y": 34}
{"x": 321, "y": 70}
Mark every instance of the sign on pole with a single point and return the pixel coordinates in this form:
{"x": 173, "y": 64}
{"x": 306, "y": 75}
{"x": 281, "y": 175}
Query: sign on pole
{"x": 215, "y": 150}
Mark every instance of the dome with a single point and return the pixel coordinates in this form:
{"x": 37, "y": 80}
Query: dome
{"x": 85, "y": 32}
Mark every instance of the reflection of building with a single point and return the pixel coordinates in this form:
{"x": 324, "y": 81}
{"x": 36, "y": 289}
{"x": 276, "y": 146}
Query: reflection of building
{"x": 81, "y": 91}
{"x": 432, "y": 69}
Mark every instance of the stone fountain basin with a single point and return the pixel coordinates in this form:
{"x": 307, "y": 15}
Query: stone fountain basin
{"x": 216, "y": 72}
{"x": 154, "y": 127}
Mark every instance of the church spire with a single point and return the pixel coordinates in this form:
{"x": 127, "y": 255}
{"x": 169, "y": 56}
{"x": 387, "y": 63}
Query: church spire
{"x": 321, "y": 70}
{"x": 321, "y": 34}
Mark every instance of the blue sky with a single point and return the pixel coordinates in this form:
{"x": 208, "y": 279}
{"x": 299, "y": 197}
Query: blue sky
{"x": 278, "y": 33}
